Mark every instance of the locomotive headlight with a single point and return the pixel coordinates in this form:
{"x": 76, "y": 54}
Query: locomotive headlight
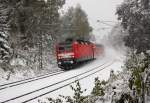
{"x": 71, "y": 62}
{"x": 59, "y": 63}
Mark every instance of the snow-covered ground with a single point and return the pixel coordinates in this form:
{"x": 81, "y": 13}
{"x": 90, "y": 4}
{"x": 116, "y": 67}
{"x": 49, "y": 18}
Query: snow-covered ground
{"x": 88, "y": 83}
{"x": 21, "y": 71}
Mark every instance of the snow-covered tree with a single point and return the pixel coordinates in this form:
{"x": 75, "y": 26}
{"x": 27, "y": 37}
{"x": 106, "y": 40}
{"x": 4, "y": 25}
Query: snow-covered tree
{"x": 28, "y": 26}
{"x": 5, "y": 15}
{"x": 135, "y": 18}
{"x": 138, "y": 66}
{"x": 98, "y": 89}
{"x": 33, "y": 18}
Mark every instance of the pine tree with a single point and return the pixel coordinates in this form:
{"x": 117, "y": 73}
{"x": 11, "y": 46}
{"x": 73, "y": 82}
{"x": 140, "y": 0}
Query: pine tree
{"x": 5, "y": 15}
{"x": 75, "y": 24}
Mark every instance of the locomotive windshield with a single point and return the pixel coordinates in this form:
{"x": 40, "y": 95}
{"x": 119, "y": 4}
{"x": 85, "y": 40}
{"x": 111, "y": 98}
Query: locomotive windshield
{"x": 65, "y": 47}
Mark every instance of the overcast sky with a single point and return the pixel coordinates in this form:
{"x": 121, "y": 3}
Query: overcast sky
{"x": 97, "y": 10}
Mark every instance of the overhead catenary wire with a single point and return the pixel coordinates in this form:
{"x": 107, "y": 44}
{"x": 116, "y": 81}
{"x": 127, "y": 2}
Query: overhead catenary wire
{"x": 106, "y": 22}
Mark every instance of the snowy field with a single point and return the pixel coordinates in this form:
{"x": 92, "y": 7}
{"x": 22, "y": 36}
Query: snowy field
{"x": 87, "y": 83}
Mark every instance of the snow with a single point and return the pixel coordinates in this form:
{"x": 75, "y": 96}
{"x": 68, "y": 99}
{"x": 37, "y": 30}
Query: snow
{"x": 9, "y": 93}
{"x": 3, "y": 40}
{"x": 18, "y": 61}
{"x": 4, "y": 34}
{"x": 87, "y": 83}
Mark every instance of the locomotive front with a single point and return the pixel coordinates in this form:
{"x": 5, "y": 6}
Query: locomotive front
{"x": 65, "y": 55}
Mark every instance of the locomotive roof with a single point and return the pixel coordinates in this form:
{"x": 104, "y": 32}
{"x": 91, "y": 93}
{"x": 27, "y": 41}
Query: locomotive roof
{"x": 70, "y": 42}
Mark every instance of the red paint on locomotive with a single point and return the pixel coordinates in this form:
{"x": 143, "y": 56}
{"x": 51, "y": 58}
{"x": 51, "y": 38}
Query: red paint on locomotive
{"x": 75, "y": 51}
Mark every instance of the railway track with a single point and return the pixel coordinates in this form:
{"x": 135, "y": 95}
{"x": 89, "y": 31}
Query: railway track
{"x": 20, "y": 82}
{"x": 24, "y": 81}
{"x": 65, "y": 85}
{"x": 81, "y": 76}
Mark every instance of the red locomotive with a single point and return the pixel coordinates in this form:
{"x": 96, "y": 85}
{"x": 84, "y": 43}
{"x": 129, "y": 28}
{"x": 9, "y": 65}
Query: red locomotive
{"x": 71, "y": 52}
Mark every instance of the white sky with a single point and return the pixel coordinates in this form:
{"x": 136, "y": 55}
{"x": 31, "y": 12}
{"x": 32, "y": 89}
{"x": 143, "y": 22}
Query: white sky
{"x": 97, "y": 10}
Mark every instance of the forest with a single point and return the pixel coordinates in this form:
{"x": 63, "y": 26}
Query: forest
{"x": 29, "y": 30}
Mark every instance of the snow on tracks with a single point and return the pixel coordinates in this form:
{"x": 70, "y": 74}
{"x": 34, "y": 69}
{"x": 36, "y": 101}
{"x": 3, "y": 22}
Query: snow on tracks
{"x": 30, "y": 91}
{"x": 20, "y": 82}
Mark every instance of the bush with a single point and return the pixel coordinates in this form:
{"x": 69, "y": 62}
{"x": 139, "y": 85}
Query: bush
{"x": 98, "y": 89}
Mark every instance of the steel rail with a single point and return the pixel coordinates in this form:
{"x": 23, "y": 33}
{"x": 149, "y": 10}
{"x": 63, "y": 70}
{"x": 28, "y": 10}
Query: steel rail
{"x": 67, "y": 84}
{"x": 16, "y": 83}
{"x": 53, "y": 84}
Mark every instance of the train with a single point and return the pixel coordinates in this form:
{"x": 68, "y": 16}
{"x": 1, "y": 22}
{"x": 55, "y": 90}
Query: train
{"x": 73, "y": 52}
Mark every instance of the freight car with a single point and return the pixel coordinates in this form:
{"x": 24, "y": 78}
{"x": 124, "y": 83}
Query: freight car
{"x": 71, "y": 52}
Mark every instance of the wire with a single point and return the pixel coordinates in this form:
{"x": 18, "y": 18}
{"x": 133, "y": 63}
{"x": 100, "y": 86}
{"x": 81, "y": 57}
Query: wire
{"x": 105, "y": 22}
